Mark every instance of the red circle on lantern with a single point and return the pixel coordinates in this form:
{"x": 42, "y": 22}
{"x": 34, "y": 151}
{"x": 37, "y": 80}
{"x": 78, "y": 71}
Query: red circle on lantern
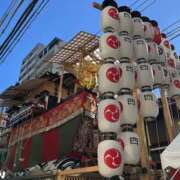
{"x": 177, "y": 83}
{"x": 113, "y": 13}
{"x": 113, "y": 42}
{"x": 113, "y": 74}
{"x": 171, "y": 63}
{"x": 112, "y": 158}
{"x": 111, "y": 113}
{"x": 166, "y": 44}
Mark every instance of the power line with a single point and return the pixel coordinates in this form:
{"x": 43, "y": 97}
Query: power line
{"x": 146, "y": 7}
{"x": 23, "y": 30}
{"x": 135, "y": 2}
{"x": 172, "y": 24}
{"x": 174, "y": 32}
{"x": 175, "y": 37}
{"x": 12, "y": 16}
{"x": 144, "y": 2}
{"x": 18, "y": 25}
{"x": 6, "y": 13}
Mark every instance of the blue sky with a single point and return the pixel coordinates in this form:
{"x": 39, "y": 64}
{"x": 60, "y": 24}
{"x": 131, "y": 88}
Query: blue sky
{"x": 65, "y": 18}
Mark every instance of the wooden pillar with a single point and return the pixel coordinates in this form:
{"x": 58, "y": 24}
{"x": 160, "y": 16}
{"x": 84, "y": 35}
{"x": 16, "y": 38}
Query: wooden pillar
{"x": 75, "y": 88}
{"x": 143, "y": 142}
{"x": 61, "y": 76}
{"x": 167, "y": 116}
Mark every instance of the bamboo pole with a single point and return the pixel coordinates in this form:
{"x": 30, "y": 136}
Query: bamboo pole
{"x": 97, "y": 6}
{"x": 167, "y": 116}
{"x": 61, "y": 74}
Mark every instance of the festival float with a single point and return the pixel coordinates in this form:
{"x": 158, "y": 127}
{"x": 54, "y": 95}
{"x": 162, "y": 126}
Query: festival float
{"x": 98, "y": 117}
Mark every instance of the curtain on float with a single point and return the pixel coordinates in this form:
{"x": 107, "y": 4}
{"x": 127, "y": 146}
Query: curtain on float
{"x": 11, "y": 157}
{"x": 50, "y": 145}
{"x": 35, "y": 156}
{"x": 18, "y": 156}
{"x": 27, "y": 147}
{"x": 67, "y": 133}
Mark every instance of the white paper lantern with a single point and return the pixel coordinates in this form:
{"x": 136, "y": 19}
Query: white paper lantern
{"x": 129, "y": 109}
{"x": 165, "y": 43}
{"x": 140, "y": 50}
{"x": 126, "y": 48}
{"x": 172, "y": 60}
{"x": 125, "y": 20}
{"x": 153, "y": 52}
{"x": 109, "y": 115}
{"x": 166, "y": 80}
{"x": 110, "y": 158}
{"x": 157, "y": 32}
{"x": 149, "y": 109}
{"x": 110, "y": 19}
{"x": 171, "y": 64}
{"x": 158, "y": 75}
{"x": 148, "y": 29}
{"x": 127, "y": 80}
{"x": 174, "y": 88}
{"x": 144, "y": 75}
{"x": 138, "y": 26}
{"x": 131, "y": 147}
{"x": 109, "y": 46}
{"x": 109, "y": 77}
{"x": 162, "y": 55}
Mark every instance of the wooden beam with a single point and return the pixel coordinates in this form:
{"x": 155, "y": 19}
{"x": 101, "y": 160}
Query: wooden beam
{"x": 83, "y": 170}
{"x": 97, "y": 6}
{"x": 143, "y": 142}
{"x": 61, "y": 76}
{"x": 167, "y": 115}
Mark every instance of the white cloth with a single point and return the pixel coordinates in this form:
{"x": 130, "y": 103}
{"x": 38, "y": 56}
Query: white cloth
{"x": 171, "y": 155}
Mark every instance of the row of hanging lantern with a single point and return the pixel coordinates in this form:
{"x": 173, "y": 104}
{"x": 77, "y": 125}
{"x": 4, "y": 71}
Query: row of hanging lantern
{"x": 136, "y": 55}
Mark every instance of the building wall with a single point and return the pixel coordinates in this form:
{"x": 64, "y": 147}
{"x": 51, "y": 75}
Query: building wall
{"x": 36, "y": 62}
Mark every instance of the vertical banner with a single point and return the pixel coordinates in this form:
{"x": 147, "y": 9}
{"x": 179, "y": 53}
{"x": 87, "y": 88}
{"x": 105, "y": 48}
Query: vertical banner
{"x": 18, "y": 156}
{"x": 67, "y": 134}
{"x": 11, "y": 157}
{"x": 36, "y": 150}
{"x": 50, "y": 145}
{"x": 27, "y": 145}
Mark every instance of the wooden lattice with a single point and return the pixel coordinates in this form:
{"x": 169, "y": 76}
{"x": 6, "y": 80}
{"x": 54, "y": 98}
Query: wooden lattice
{"x": 81, "y": 45}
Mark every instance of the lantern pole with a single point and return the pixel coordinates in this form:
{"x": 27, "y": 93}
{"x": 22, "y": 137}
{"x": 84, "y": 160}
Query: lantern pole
{"x": 143, "y": 141}
{"x": 167, "y": 115}
{"x": 61, "y": 77}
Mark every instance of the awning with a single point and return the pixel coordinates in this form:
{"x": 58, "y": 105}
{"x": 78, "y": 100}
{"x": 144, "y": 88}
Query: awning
{"x": 16, "y": 94}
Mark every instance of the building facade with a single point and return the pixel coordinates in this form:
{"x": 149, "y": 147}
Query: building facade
{"x": 36, "y": 64}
